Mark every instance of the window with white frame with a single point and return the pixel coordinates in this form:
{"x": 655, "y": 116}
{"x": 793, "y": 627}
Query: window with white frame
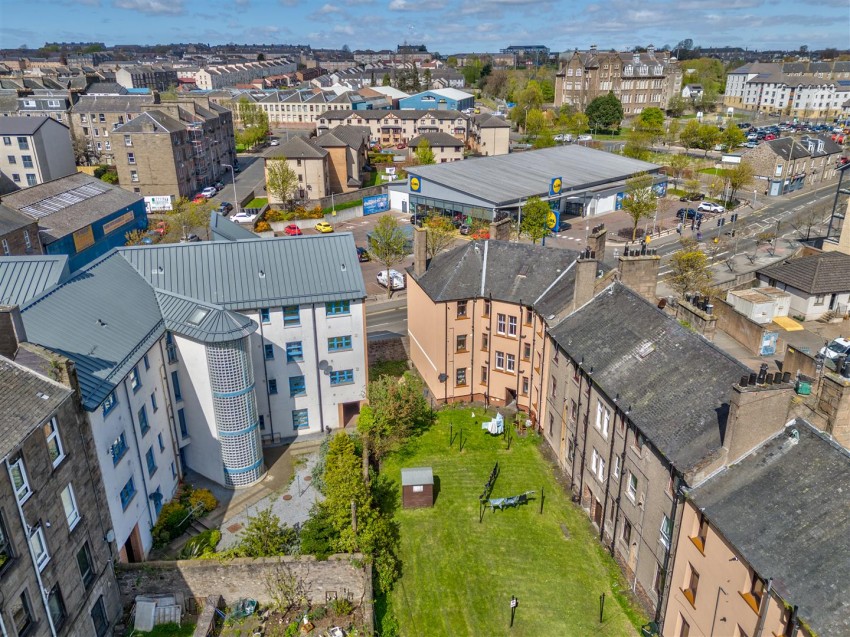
{"x": 603, "y": 418}
{"x": 501, "y": 322}
{"x": 666, "y": 531}
{"x": 39, "y": 548}
{"x": 500, "y": 360}
{"x": 631, "y": 486}
{"x": 510, "y": 363}
{"x": 69, "y": 503}
{"x": 512, "y": 322}
{"x": 54, "y": 442}
{"x": 19, "y": 479}
{"x": 616, "y": 468}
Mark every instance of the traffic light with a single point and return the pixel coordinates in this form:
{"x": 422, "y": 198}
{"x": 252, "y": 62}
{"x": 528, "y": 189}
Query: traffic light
{"x": 721, "y": 222}
{"x": 733, "y": 217}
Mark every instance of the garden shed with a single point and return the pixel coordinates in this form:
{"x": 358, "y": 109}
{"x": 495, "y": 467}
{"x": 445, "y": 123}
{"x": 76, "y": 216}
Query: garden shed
{"x": 417, "y": 487}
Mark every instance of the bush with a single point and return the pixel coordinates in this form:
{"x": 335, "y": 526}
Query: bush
{"x": 203, "y": 497}
{"x": 274, "y": 215}
{"x": 262, "y": 226}
{"x": 318, "y": 613}
{"x": 341, "y": 607}
{"x": 318, "y": 535}
{"x": 200, "y": 545}
{"x": 172, "y": 521}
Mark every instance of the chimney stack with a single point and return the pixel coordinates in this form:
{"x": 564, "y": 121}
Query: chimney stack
{"x": 585, "y": 281}
{"x": 501, "y": 230}
{"x": 596, "y": 240}
{"x": 420, "y": 251}
{"x": 11, "y": 330}
{"x": 638, "y": 269}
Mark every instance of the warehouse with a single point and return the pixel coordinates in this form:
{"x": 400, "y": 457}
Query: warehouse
{"x": 577, "y": 181}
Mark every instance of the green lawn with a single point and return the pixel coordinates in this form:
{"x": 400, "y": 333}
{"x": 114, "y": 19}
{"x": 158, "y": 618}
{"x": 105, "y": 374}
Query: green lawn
{"x": 256, "y": 202}
{"x": 458, "y": 575}
{"x": 720, "y": 172}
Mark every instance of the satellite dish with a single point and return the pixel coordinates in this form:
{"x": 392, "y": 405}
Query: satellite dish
{"x": 110, "y": 536}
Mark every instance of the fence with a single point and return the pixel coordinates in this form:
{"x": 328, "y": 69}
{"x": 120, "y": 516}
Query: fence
{"x": 354, "y": 195}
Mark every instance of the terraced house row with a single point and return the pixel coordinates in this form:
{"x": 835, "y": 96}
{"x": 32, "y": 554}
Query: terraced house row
{"x": 695, "y": 474}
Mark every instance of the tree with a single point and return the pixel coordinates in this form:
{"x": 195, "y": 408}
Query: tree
{"x": 427, "y": 77}
{"x": 344, "y": 489}
{"x": 281, "y": 180}
{"x": 440, "y": 234}
{"x": 677, "y": 105}
{"x": 692, "y": 186}
{"x": 534, "y": 122}
{"x": 638, "y": 146}
{"x": 577, "y": 123}
{"x": 651, "y": 120}
{"x": 186, "y": 216}
{"x": 689, "y": 137}
{"x": 497, "y": 83}
{"x": 387, "y": 245}
{"x": 424, "y": 153}
{"x": 716, "y": 187}
{"x": 386, "y": 81}
{"x": 535, "y": 219}
{"x": 690, "y": 271}
{"x": 605, "y": 111}
{"x": 740, "y": 176}
{"x": 678, "y": 164}
{"x": 673, "y": 129}
{"x": 261, "y": 57}
{"x": 451, "y": 62}
{"x": 255, "y": 122}
{"x": 266, "y": 536}
{"x": 528, "y": 99}
{"x": 732, "y": 137}
{"x": 83, "y": 152}
{"x": 639, "y": 201}
{"x": 545, "y": 139}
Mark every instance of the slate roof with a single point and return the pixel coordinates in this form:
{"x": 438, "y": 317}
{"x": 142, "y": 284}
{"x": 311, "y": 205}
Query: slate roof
{"x": 23, "y": 278}
{"x": 770, "y": 507}
{"x": 513, "y": 272}
{"x": 788, "y": 148}
{"x": 27, "y": 401}
{"x": 106, "y": 88}
{"x": 504, "y": 179}
{"x": 111, "y": 103}
{"x": 73, "y": 216}
{"x": 437, "y": 140}
{"x": 486, "y": 120}
{"x": 299, "y": 148}
{"x": 638, "y": 353}
{"x": 161, "y": 121}
{"x": 19, "y": 125}
{"x": 816, "y": 274}
{"x": 406, "y": 114}
{"x": 11, "y": 220}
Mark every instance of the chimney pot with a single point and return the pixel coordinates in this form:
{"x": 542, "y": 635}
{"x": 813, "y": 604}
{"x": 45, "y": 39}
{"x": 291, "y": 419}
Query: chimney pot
{"x": 786, "y": 377}
{"x": 752, "y": 379}
{"x": 744, "y": 380}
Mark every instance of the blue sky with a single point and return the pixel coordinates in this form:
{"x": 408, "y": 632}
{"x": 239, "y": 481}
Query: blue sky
{"x": 446, "y": 26}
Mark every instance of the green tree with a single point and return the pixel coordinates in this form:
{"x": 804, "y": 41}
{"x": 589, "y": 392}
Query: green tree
{"x": 424, "y": 152}
{"x": 535, "y": 219}
{"x": 639, "y": 201}
{"x": 673, "y": 128}
{"x": 639, "y": 146}
{"x": 318, "y": 535}
{"x": 690, "y": 271}
{"x": 387, "y": 245}
{"x": 187, "y": 217}
{"x": 255, "y": 122}
{"x": 605, "y": 111}
{"x": 545, "y": 139}
{"x": 707, "y": 137}
{"x": 678, "y": 164}
{"x": 677, "y": 105}
{"x": 535, "y": 122}
{"x": 386, "y": 81}
{"x": 651, "y": 120}
{"x": 266, "y": 536}
{"x": 451, "y": 62}
{"x": 344, "y": 490}
{"x": 577, "y": 124}
{"x": 693, "y": 186}
{"x": 529, "y": 98}
{"x": 281, "y": 180}
{"x": 732, "y": 137}
{"x": 427, "y": 79}
{"x": 690, "y": 135}
{"x": 739, "y": 177}
{"x": 440, "y": 234}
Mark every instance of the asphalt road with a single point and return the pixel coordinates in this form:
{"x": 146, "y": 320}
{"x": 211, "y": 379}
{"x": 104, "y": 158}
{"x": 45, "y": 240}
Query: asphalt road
{"x": 386, "y": 319}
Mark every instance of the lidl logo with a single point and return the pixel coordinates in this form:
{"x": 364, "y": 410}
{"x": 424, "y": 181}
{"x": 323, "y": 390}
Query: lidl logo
{"x": 555, "y": 186}
{"x": 552, "y": 220}
{"x": 415, "y": 184}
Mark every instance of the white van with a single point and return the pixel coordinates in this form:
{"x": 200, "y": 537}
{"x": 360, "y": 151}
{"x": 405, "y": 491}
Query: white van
{"x": 396, "y": 278}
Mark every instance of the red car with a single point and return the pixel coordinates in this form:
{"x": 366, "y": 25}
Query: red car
{"x": 292, "y": 230}
{"x": 401, "y": 146}
{"x": 199, "y": 198}
{"x": 769, "y": 137}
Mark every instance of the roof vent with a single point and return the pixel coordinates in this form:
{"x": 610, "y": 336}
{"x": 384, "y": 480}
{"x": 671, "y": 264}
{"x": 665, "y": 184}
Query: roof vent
{"x": 158, "y": 270}
{"x": 342, "y": 267}
{"x": 261, "y": 274}
{"x": 645, "y": 350}
{"x": 101, "y": 322}
{"x": 42, "y": 395}
{"x": 794, "y": 435}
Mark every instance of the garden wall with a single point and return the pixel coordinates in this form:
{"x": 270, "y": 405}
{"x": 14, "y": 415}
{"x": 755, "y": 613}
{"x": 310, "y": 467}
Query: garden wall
{"x": 246, "y": 577}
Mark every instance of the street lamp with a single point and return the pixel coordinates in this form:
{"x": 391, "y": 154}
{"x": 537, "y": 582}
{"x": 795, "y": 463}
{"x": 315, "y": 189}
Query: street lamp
{"x": 233, "y": 178}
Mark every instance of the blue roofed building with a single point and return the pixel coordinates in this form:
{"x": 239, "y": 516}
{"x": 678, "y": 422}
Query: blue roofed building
{"x": 444, "y": 99}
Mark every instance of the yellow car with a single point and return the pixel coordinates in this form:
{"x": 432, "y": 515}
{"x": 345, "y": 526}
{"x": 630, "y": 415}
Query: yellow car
{"x": 324, "y": 226}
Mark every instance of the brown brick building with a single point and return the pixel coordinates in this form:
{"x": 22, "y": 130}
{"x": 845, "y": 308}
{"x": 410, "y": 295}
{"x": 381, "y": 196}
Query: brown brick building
{"x": 18, "y": 234}
{"x": 56, "y": 553}
{"x": 94, "y": 118}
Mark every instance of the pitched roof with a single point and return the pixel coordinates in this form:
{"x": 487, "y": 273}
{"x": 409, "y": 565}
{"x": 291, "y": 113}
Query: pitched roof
{"x": 111, "y": 103}
{"x": 770, "y": 507}
{"x": 300, "y": 148}
{"x": 345, "y": 135}
{"x": 788, "y": 148}
{"x": 156, "y": 119}
{"x": 487, "y": 120}
{"x": 20, "y": 125}
{"x": 23, "y": 278}
{"x": 822, "y": 273}
{"x": 223, "y": 229}
{"x": 11, "y": 220}
{"x": 27, "y": 400}
{"x": 635, "y": 351}
{"x": 437, "y": 139}
{"x": 167, "y": 282}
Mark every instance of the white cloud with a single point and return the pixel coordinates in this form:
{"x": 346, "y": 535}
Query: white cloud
{"x": 155, "y": 7}
{"x": 344, "y": 29}
{"x": 402, "y": 5}
{"x": 329, "y": 8}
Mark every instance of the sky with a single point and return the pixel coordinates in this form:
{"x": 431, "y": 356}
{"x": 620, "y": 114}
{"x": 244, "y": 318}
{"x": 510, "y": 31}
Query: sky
{"x": 445, "y": 26}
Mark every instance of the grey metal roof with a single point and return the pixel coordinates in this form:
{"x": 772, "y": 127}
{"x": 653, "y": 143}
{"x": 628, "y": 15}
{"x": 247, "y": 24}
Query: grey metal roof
{"x": 223, "y": 229}
{"x": 255, "y": 273}
{"x": 23, "y": 278}
{"x": 815, "y": 274}
{"x": 674, "y": 383}
{"x": 770, "y": 506}
{"x": 416, "y": 476}
{"x": 202, "y": 321}
{"x": 20, "y": 125}
{"x": 504, "y": 179}
{"x": 27, "y": 400}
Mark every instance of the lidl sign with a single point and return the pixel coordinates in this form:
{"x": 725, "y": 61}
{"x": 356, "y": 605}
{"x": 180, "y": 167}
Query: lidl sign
{"x": 415, "y": 184}
{"x": 555, "y": 186}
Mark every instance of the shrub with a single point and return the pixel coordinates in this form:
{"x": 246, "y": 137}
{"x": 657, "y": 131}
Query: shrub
{"x": 200, "y": 545}
{"x": 262, "y": 226}
{"x": 274, "y": 215}
{"x": 203, "y": 497}
{"x": 318, "y": 613}
{"x": 341, "y": 607}
{"x": 172, "y": 521}
{"x": 318, "y": 535}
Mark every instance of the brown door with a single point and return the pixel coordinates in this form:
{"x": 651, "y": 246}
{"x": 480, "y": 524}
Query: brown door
{"x": 597, "y": 512}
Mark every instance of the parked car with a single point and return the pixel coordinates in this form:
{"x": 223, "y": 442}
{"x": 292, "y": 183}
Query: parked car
{"x": 465, "y": 229}
{"x": 274, "y": 142}
{"x": 563, "y": 137}
{"x": 839, "y": 347}
{"x": 219, "y": 185}
{"x": 584, "y": 138}
{"x": 160, "y": 228}
{"x": 709, "y": 206}
{"x": 209, "y": 192}
{"x": 243, "y": 217}
{"x": 225, "y": 208}
{"x": 237, "y": 169}
{"x": 363, "y": 255}
{"x": 689, "y": 212}
{"x": 199, "y": 198}
{"x": 292, "y": 230}
{"x": 396, "y": 279}
{"x": 151, "y": 237}
{"x": 692, "y": 196}
{"x": 769, "y": 137}
{"x": 401, "y": 146}
{"x": 189, "y": 238}
{"x": 323, "y": 227}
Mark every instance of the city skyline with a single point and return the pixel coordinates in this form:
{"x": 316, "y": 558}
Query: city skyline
{"x": 446, "y": 27}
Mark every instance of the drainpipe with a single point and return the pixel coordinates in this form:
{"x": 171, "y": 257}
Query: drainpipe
{"x": 471, "y": 378}
{"x": 584, "y": 445}
{"x": 519, "y": 360}
{"x": 26, "y": 528}
{"x": 669, "y": 564}
{"x": 138, "y": 455}
{"x": 318, "y": 373}
{"x": 575, "y": 436}
{"x": 490, "y": 347}
{"x": 446, "y": 354}
{"x": 266, "y": 379}
{"x": 641, "y": 498}
{"x": 765, "y": 604}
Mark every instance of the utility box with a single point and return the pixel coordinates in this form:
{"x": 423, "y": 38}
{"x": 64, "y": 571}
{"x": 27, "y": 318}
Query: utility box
{"x": 761, "y": 305}
{"x": 417, "y": 488}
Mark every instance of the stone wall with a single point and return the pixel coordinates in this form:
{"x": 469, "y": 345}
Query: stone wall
{"x": 389, "y": 349}
{"x": 702, "y": 322}
{"x": 747, "y": 332}
{"x": 246, "y": 577}
{"x": 796, "y": 361}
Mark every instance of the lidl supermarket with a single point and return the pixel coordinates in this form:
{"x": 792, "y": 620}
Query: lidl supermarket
{"x": 575, "y": 180}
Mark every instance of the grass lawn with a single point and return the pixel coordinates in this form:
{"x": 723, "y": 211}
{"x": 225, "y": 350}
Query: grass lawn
{"x": 458, "y": 575}
{"x": 720, "y": 172}
{"x": 256, "y": 202}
